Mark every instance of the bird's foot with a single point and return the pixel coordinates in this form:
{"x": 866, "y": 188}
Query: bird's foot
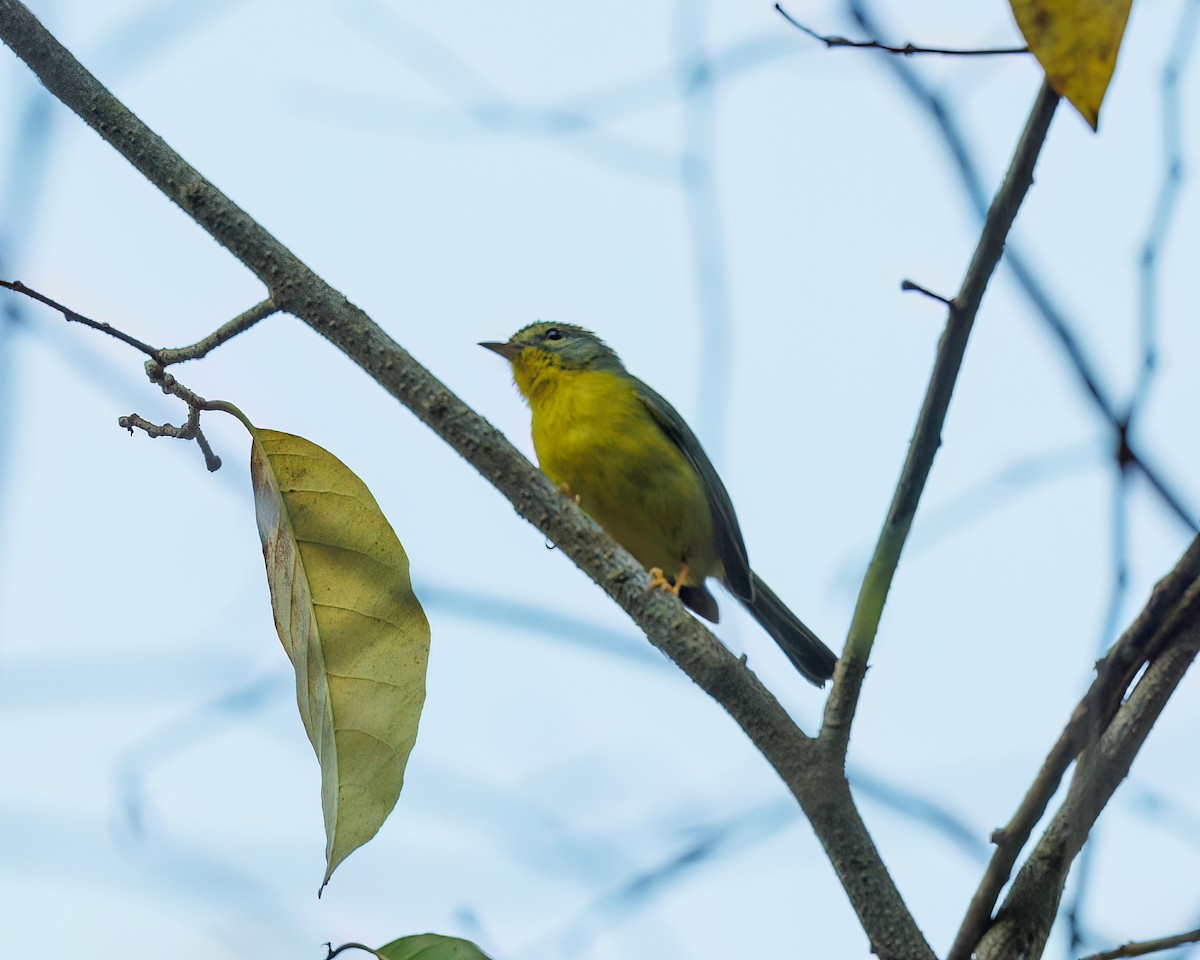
{"x": 565, "y": 490}
{"x": 659, "y": 581}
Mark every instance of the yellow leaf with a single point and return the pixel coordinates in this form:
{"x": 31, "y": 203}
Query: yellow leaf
{"x": 1076, "y": 42}
{"x": 356, "y": 635}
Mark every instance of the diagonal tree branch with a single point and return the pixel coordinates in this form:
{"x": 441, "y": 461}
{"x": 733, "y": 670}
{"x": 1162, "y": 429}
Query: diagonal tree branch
{"x": 1094, "y": 712}
{"x": 294, "y": 288}
{"x": 1024, "y": 921}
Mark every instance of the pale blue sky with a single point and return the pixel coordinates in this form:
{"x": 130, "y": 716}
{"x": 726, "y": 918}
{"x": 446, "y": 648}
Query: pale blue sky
{"x": 458, "y": 170}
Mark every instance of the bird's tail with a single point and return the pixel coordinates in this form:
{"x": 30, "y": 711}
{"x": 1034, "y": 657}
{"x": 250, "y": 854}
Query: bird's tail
{"x": 807, "y": 653}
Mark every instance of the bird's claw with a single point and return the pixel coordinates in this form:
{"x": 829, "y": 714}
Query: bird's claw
{"x": 659, "y": 581}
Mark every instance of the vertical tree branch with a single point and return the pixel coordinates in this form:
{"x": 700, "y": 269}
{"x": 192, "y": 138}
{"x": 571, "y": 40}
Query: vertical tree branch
{"x": 927, "y": 437}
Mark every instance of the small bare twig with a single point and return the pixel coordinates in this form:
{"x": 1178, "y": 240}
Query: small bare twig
{"x": 18, "y": 287}
{"x": 1143, "y": 947}
{"x": 189, "y": 431}
{"x": 908, "y": 49}
{"x": 154, "y": 369}
{"x": 211, "y": 460}
{"x": 164, "y": 356}
{"x": 909, "y": 285}
{"x": 224, "y": 333}
{"x": 195, "y": 403}
{"x": 133, "y": 422}
{"x": 172, "y": 387}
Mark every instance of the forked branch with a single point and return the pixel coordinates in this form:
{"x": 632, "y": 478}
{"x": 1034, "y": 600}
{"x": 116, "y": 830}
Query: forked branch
{"x": 1095, "y": 713}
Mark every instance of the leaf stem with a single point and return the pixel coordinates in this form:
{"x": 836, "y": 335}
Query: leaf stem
{"x": 226, "y": 407}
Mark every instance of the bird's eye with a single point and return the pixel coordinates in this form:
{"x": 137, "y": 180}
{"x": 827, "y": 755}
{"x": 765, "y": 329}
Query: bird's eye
{"x": 554, "y": 334}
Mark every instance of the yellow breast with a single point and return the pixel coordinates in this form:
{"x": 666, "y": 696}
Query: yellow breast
{"x": 593, "y": 434}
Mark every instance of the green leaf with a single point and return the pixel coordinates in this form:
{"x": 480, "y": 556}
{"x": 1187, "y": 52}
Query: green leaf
{"x": 431, "y": 946}
{"x": 347, "y": 617}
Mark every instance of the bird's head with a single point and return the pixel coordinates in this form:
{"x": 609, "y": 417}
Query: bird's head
{"x": 542, "y": 350}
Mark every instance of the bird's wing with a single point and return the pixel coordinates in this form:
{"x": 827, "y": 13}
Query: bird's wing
{"x": 730, "y": 546}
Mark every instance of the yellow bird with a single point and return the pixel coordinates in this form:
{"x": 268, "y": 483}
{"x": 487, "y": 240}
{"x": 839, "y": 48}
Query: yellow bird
{"x": 631, "y": 462}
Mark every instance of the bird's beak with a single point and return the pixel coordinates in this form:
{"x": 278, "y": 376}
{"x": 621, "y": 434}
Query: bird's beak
{"x": 510, "y": 351}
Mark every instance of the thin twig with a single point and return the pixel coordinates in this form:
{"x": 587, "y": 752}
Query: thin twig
{"x": 172, "y": 387}
{"x": 1142, "y": 947}
{"x": 911, "y": 286}
{"x": 224, "y": 333}
{"x": 211, "y": 460}
{"x": 133, "y": 422}
{"x": 851, "y": 669}
{"x": 74, "y": 317}
{"x": 195, "y": 403}
{"x": 189, "y": 431}
{"x": 908, "y": 49}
